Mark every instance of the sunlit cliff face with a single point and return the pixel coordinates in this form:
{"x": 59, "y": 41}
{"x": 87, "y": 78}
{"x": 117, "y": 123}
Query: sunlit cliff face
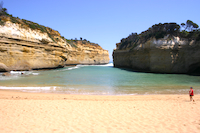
{"x": 165, "y": 55}
{"x": 16, "y": 30}
{"x": 24, "y": 49}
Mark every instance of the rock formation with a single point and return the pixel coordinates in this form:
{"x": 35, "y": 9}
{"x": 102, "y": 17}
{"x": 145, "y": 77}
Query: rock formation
{"x": 171, "y": 54}
{"x": 85, "y": 52}
{"x": 25, "y": 45}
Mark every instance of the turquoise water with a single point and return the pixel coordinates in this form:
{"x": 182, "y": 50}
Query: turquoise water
{"x": 99, "y": 80}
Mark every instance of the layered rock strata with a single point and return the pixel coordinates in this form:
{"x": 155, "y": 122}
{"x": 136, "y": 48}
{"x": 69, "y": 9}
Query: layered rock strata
{"x": 87, "y": 53}
{"x": 166, "y": 55}
{"x": 23, "y": 48}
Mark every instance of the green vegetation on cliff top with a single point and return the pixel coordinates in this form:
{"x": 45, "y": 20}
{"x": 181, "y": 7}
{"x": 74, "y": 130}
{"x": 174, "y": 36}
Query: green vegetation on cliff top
{"x": 4, "y": 16}
{"x": 73, "y": 42}
{"x": 160, "y": 30}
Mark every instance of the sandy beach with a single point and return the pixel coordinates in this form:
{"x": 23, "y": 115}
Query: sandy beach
{"x": 22, "y": 112}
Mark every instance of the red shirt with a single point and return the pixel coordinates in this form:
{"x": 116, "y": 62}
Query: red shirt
{"x": 191, "y": 92}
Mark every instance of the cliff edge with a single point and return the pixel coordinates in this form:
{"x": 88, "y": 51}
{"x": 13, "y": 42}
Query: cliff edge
{"x": 160, "y": 51}
{"x": 25, "y": 45}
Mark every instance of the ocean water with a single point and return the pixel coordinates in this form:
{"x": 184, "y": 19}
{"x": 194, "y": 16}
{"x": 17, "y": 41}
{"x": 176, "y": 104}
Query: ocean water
{"x": 99, "y": 80}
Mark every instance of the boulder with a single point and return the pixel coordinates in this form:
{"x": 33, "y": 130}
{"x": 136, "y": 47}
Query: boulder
{"x": 3, "y": 68}
{"x": 6, "y": 74}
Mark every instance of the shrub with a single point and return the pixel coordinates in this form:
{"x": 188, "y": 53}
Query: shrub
{"x": 45, "y": 41}
{"x": 2, "y": 22}
{"x": 158, "y": 31}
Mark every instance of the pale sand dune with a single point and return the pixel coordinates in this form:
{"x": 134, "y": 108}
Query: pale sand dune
{"x": 47, "y": 113}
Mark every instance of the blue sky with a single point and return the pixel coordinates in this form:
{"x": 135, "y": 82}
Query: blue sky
{"x": 104, "y": 22}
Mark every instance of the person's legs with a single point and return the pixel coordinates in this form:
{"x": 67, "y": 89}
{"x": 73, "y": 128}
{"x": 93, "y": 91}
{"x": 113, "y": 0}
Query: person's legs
{"x": 191, "y": 98}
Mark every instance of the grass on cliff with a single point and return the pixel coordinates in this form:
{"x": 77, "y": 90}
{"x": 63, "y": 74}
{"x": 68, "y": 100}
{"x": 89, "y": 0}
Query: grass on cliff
{"x": 35, "y": 26}
{"x": 24, "y": 23}
{"x": 4, "y": 16}
{"x": 158, "y": 31}
{"x": 2, "y": 22}
{"x": 73, "y": 42}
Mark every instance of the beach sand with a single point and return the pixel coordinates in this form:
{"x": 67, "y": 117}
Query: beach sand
{"x": 22, "y": 112}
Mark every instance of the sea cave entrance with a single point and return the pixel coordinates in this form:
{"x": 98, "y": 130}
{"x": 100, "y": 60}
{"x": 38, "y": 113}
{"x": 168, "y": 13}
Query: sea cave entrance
{"x": 194, "y": 69}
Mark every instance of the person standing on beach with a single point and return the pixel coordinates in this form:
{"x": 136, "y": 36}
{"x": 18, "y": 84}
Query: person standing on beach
{"x": 191, "y": 93}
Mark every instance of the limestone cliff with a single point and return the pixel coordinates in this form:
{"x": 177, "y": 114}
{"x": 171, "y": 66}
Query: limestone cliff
{"x": 25, "y": 45}
{"x": 85, "y": 52}
{"x": 171, "y": 54}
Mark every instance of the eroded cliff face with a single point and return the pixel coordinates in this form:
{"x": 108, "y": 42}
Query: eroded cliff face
{"x": 166, "y": 55}
{"x": 22, "y": 48}
{"x": 85, "y": 53}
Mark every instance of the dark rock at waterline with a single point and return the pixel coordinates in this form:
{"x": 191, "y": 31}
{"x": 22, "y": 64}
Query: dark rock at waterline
{"x": 3, "y": 68}
{"x": 6, "y": 74}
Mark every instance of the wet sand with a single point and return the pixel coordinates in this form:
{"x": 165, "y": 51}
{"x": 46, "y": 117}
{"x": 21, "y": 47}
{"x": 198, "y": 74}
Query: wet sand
{"x": 41, "y": 112}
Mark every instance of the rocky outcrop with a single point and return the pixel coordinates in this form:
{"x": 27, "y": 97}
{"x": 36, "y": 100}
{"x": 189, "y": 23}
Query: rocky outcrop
{"x": 165, "y": 55}
{"x": 25, "y": 48}
{"x": 19, "y": 54}
{"x": 87, "y": 53}
{"x": 6, "y": 74}
{"x": 3, "y": 68}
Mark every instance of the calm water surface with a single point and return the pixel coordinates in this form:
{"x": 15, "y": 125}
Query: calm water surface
{"x": 99, "y": 80}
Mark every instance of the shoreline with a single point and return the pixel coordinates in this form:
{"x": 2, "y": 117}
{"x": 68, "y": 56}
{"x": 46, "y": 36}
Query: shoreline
{"x": 9, "y": 93}
{"x": 48, "y": 91}
{"x": 22, "y": 112}
{"x": 20, "y": 95}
